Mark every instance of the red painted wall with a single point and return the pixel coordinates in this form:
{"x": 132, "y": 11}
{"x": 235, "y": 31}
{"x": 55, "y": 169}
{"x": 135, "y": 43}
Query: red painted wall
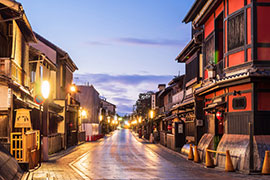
{"x": 263, "y": 24}
{"x": 247, "y": 95}
{"x": 249, "y": 54}
{"x": 263, "y": 101}
{"x": 219, "y": 9}
{"x": 235, "y": 5}
{"x": 209, "y": 26}
{"x": 237, "y": 58}
{"x": 248, "y": 106}
{"x": 209, "y": 96}
{"x": 205, "y": 74}
{"x": 240, "y": 87}
{"x": 220, "y": 92}
{"x": 263, "y": 53}
{"x": 249, "y": 26}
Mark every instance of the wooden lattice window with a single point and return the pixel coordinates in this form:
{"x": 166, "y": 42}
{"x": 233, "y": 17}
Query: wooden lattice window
{"x": 236, "y": 31}
{"x": 210, "y": 50}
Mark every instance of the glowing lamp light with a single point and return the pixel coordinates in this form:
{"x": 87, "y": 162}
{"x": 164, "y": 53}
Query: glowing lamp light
{"x": 151, "y": 114}
{"x": 73, "y": 88}
{"x": 140, "y": 119}
{"x": 100, "y": 117}
{"x": 45, "y": 89}
{"x": 219, "y": 115}
{"x": 84, "y": 114}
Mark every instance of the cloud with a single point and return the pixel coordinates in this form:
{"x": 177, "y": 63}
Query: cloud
{"x": 122, "y": 100}
{"x": 97, "y": 43}
{"x": 122, "y": 90}
{"x": 121, "y": 79}
{"x": 138, "y": 42}
{"x": 149, "y": 42}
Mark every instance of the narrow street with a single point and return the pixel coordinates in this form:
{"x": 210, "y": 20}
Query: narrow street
{"x": 122, "y": 156}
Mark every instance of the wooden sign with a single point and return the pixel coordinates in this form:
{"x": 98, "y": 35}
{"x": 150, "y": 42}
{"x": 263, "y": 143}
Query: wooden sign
{"x": 23, "y": 119}
{"x": 180, "y": 128}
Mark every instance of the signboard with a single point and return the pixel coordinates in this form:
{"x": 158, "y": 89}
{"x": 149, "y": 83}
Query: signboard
{"x": 180, "y": 129}
{"x": 22, "y": 119}
{"x": 153, "y": 103}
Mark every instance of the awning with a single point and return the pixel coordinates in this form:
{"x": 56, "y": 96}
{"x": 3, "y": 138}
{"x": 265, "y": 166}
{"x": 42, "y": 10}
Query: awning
{"x": 185, "y": 111}
{"x": 170, "y": 117}
{"x": 214, "y": 105}
{"x": 55, "y": 107}
{"x": 186, "y": 103}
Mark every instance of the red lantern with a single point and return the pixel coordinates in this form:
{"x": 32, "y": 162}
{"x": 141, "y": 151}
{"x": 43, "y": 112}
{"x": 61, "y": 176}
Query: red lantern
{"x": 219, "y": 115}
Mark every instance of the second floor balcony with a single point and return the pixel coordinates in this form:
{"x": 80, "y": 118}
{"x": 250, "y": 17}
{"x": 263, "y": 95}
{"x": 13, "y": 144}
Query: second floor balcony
{"x": 10, "y": 69}
{"x": 5, "y": 66}
{"x": 178, "y": 97}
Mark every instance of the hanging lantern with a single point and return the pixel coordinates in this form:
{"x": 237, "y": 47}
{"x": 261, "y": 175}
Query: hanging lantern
{"x": 219, "y": 115}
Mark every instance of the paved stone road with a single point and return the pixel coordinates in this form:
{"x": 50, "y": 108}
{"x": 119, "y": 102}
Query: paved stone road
{"x": 121, "y": 156}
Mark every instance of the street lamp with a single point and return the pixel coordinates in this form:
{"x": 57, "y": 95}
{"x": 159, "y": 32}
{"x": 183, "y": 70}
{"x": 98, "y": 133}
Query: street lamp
{"x": 84, "y": 114}
{"x": 73, "y": 88}
{"x": 151, "y": 113}
{"x": 100, "y": 117}
{"x": 45, "y": 91}
{"x": 140, "y": 119}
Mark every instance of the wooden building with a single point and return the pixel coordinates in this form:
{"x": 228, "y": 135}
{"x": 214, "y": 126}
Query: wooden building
{"x": 90, "y": 103}
{"x": 234, "y": 68}
{"x": 190, "y": 108}
{"x": 15, "y": 36}
{"x": 42, "y": 66}
{"x": 62, "y": 94}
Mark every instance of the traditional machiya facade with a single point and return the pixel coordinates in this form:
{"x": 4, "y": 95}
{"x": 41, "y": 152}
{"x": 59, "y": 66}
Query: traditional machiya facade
{"x": 90, "y": 104}
{"x": 42, "y": 66}
{"x": 235, "y": 76}
{"x": 108, "y": 112}
{"x": 171, "y": 136}
{"x": 65, "y": 122}
{"x": 15, "y": 36}
{"x": 189, "y": 110}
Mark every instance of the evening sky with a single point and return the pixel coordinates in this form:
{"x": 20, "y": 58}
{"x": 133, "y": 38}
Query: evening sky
{"x": 122, "y": 47}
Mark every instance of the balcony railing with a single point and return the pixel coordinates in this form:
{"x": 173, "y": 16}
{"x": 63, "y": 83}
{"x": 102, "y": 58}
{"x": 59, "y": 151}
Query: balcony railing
{"x": 177, "y": 98}
{"x": 5, "y": 66}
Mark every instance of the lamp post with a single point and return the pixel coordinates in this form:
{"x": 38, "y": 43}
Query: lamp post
{"x": 151, "y": 115}
{"x": 45, "y": 90}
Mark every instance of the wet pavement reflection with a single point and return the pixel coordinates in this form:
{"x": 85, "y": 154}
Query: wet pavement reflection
{"x": 121, "y": 156}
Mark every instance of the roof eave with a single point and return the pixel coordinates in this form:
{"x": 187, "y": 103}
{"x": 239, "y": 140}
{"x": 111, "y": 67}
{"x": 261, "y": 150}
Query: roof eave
{"x": 20, "y": 19}
{"x": 197, "y": 5}
{"x": 179, "y": 58}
